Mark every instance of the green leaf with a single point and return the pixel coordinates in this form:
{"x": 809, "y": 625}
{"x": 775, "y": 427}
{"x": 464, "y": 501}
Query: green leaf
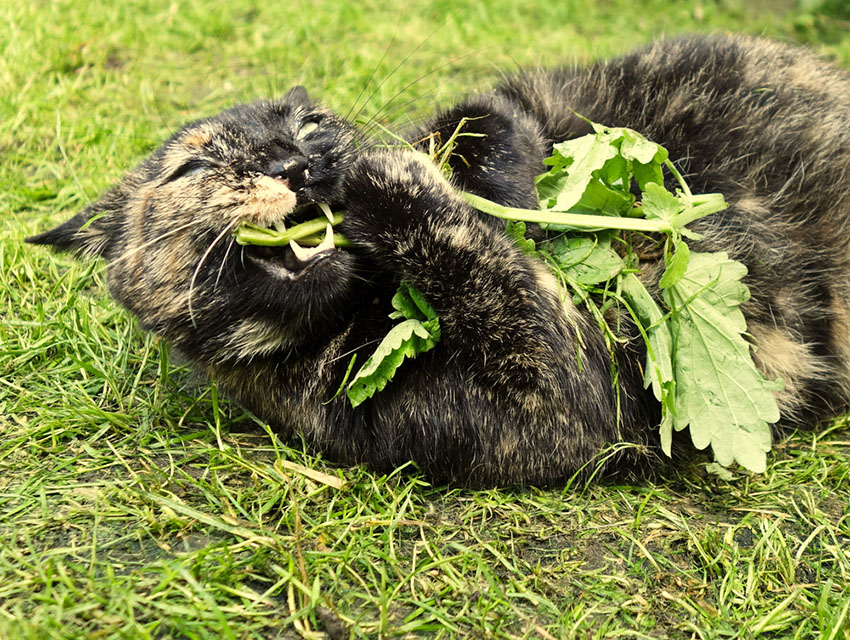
{"x": 719, "y": 393}
{"x": 516, "y": 230}
{"x": 585, "y": 259}
{"x": 659, "y": 352}
{"x": 637, "y": 148}
{"x": 408, "y": 302}
{"x": 660, "y": 204}
{"x": 589, "y": 153}
{"x": 720, "y": 471}
{"x": 549, "y": 186}
{"x": 405, "y": 340}
{"x": 599, "y": 198}
{"x": 420, "y": 332}
{"x": 425, "y": 309}
{"x": 677, "y": 264}
{"x": 647, "y": 173}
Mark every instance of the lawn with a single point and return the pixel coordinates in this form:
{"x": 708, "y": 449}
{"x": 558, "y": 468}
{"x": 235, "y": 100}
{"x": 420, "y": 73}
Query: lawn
{"x": 137, "y": 502}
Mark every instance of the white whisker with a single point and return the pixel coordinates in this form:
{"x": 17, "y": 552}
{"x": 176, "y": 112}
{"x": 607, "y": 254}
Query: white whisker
{"x": 226, "y": 230}
{"x": 223, "y": 262}
{"x": 163, "y": 236}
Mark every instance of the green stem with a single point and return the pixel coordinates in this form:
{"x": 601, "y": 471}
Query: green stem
{"x": 684, "y": 185}
{"x": 567, "y": 219}
{"x": 704, "y": 204}
{"x": 310, "y": 233}
{"x": 339, "y": 241}
{"x": 252, "y": 234}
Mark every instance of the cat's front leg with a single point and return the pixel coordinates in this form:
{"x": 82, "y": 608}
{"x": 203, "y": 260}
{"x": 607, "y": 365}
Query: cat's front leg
{"x": 499, "y": 308}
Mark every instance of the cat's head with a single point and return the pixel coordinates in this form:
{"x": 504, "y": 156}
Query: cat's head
{"x": 166, "y": 230}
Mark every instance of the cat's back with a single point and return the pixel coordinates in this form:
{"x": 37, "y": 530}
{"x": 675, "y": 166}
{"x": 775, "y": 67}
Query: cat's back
{"x": 732, "y": 110}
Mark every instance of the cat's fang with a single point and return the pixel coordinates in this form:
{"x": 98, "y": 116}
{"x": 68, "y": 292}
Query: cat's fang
{"x": 279, "y": 225}
{"x": 300, "y": 252}
{"x": 327, "y": 242}
{"x": 326, "y": 209}
{"x": 304, "y": 254}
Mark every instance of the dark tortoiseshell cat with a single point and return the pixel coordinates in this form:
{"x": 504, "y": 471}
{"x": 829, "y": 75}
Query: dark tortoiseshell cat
{"x": 502, "y": 398}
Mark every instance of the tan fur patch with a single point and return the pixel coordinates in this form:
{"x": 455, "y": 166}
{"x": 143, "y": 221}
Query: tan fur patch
{"x": 196, "y": 140}
{"x": 777, "y": 355}
{"x": 269, "y": 201}
{"x": 546, "y": 280}
{"x": 841, "y": 337}
{"x": 459, "y": 236}
{"x": 753, "y": 206}
{"x": 198, "y": 137}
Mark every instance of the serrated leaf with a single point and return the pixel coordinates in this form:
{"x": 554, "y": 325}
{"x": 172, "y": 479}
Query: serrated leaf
{"x": 720, "y": 394}
{"x": 677, "y": 264}
{"x": 587, "y": 260}
{"x": 405, "y": 340}
{"x": 516, "y": 230}
{"x": 409, "y": 303}
{"x": 660, "y": 204}
{"x": 419, "y": 332}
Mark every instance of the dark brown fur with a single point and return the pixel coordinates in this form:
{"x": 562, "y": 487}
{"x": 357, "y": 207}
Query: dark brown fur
{"x": 502, "y": 398}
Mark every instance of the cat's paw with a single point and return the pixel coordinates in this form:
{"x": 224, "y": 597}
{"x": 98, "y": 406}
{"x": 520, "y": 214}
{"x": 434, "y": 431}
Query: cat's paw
{"x": 391, "y": 194}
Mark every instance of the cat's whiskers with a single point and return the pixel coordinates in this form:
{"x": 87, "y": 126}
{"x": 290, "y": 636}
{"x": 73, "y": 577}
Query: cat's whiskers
{"x": 228, "y": 229}
{"x": 388, "y": 76}
{"x": 392, "y": 99}
{"x": 348, "y": 116}
{"x": 368, "y": 128}
{"x": 354, "y": 350}
{"x": 130, "y": 252}
{"x": 223, "y": 262}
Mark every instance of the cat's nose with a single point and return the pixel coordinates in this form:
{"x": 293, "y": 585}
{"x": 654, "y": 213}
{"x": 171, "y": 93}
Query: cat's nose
{"x": 292, "y": 169}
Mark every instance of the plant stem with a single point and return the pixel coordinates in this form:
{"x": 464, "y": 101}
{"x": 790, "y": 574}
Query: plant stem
{"x": 309, "y": 234}
{"x": 565, "y": 218}
{"x": 703, "y": 205}
{"x": 313, "y": 240}
{"x": 252, "y": 234}
{"x": 684, "y": 185}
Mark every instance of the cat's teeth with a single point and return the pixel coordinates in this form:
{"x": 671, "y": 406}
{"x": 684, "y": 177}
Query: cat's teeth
{"x": 328, "y": 242}
{"x": 304, "y": 254}
{"x": 300, "y": 252}
{"x": 279, "y": 225}
{"x": 326, "y": 209}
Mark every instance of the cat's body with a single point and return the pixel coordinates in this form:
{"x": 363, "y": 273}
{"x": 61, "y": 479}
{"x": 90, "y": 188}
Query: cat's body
{"x": 503, "y": 397}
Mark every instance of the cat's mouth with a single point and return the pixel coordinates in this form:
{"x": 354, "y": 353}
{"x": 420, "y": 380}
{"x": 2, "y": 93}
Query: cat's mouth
{"x": 293, "y": 259}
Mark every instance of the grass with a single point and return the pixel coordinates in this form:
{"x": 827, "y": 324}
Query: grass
{"x": 136, "y": 502}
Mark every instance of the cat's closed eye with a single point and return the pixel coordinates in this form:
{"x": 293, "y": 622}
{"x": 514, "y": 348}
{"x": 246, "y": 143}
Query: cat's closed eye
{"x": 307, "y": 127}
{"x": 188, "y": 169}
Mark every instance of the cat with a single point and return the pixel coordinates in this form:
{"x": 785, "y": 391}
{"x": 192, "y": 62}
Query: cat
{"x": 518, "y": 390}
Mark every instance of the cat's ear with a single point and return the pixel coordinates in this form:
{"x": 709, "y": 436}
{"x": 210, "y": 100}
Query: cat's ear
{"x": 91, "y": 232}
{"x": 297, "y": 95}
